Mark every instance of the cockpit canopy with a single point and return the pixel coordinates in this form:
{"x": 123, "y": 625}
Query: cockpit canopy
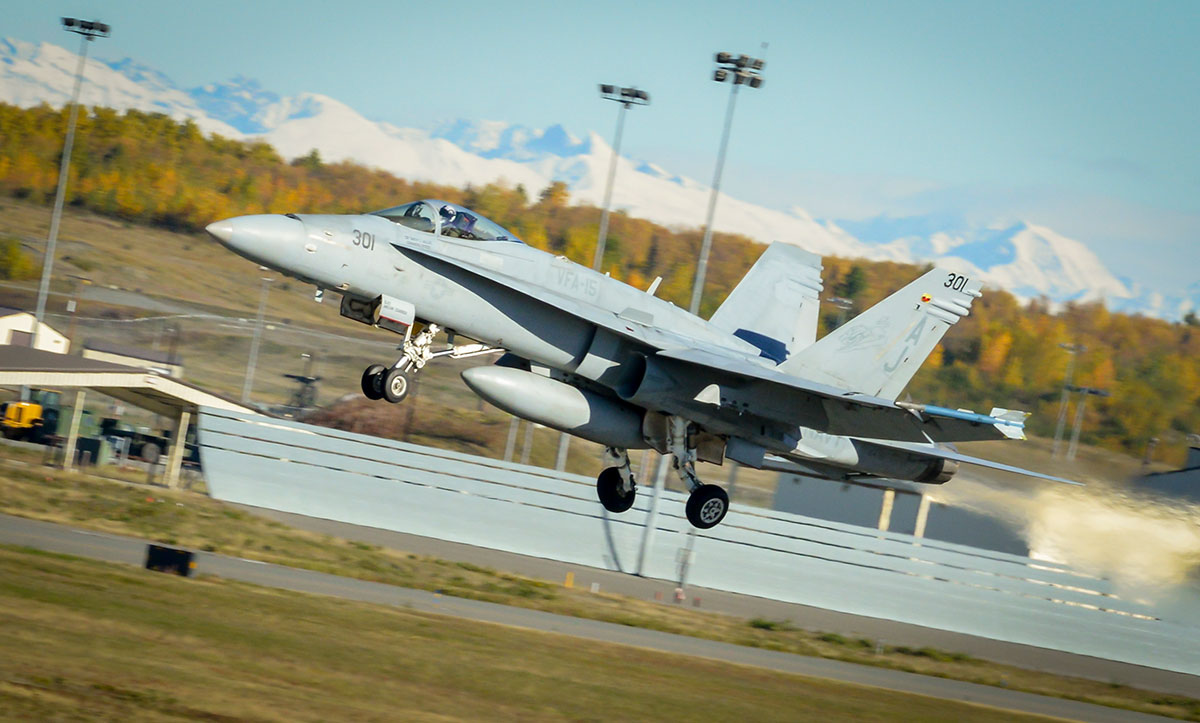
{"x": 447, "y": 219}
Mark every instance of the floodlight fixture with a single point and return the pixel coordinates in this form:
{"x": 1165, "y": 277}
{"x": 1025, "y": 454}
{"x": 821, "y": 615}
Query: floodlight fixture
{"x": 89, "y": 29}
{"x": 627, "y": 96}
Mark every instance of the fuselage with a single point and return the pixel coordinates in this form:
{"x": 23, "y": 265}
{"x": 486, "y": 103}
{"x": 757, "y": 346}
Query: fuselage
{"x": 367, "y": 255}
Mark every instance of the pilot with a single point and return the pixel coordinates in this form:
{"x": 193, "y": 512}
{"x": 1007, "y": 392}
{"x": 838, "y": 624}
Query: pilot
{"x": 448, "y": 227}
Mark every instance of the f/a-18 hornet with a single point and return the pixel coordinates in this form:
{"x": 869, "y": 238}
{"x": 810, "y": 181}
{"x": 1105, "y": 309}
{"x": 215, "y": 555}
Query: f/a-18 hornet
{"x": 602, "y": 360}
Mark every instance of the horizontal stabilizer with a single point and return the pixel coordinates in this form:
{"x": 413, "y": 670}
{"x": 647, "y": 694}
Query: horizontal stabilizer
{"x": 930, "y": 450}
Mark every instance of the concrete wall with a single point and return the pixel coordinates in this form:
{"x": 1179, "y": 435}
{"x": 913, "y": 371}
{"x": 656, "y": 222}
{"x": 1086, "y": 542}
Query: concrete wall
{"x": 363, "y": 480}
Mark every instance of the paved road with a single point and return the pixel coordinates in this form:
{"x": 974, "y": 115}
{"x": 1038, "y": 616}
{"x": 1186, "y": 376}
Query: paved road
{"x": 746, "y": 606}
{"x": 113, "y": 548}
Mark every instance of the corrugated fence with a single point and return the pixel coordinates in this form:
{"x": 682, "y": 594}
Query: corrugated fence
{"x": 363, "y": 480}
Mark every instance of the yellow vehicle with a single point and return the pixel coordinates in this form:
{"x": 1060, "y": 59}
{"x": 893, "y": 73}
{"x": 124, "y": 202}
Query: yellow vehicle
{"x": 32, "y": 420}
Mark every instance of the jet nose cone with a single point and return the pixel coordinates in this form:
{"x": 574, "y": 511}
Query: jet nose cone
{"x": 267, "y": 239}
{"x": 221, "y": 230}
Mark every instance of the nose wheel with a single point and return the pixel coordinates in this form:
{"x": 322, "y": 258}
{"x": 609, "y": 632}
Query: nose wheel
{"x": 372, "y": 382}
{"x": 395, "y": 383}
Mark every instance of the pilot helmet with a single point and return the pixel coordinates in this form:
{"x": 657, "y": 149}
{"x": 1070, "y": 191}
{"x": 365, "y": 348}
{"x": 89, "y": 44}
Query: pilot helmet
{"x": 447, "y": 212}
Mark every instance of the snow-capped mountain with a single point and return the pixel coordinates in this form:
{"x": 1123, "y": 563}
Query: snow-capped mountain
{"x": 1024, "y": 258}
{"x": 32, "y": 74}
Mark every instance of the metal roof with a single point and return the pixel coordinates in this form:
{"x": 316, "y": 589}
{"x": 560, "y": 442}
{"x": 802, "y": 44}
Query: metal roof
{"x": 133, "y": 352}
{"x": 21, "y": 365}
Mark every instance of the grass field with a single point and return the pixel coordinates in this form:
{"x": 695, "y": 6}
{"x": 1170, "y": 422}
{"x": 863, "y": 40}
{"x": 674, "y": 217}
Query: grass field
{"x": 90, "y": 640}
{"x": 195, "y": 521}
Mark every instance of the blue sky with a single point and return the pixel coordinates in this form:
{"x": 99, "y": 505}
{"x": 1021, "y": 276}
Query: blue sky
{"x": 1083, "y": 116}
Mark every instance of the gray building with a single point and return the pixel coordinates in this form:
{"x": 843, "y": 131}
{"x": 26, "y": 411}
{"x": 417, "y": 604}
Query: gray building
{"x": 897, "y": 506}
{"x": 1183, "y": 483}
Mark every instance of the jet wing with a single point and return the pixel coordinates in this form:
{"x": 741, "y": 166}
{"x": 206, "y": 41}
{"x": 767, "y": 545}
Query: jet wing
{"x": 849, "y": 413}
{"x": 630, "y": 326}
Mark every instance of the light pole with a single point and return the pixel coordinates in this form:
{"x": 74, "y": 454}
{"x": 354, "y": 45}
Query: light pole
{"x": 626, "y": 97}
{"x": 1074, "y": 350}
{"x": 258, "y": 325}
{"x": 741, "y": 70}
{"x": 88, "y": 31}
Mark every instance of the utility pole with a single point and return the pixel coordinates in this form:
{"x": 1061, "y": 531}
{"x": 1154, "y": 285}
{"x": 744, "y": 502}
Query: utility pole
{"x": 1084, "y": 393}
{"x": 73, "y": 306}
{"x": 1074, "y": 350}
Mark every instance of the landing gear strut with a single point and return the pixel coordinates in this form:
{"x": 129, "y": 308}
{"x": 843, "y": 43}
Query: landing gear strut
{"x": 615, "y": 486}
{"x": 707, "y": 504}
{"x": 393, "y": 383}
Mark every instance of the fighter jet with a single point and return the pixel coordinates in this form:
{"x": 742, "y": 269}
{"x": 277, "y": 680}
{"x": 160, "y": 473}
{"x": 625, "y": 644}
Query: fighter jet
{"x": 594, "y": 357}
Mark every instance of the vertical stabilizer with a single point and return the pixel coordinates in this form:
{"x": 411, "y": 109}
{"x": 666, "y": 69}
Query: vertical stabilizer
{"x": 879, "y": 351}
{"x": 774, "y": 306}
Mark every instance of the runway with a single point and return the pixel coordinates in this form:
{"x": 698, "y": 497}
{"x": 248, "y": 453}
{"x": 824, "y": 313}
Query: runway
{"x": 113, "y": 548}
{"x": 808, "y": 617}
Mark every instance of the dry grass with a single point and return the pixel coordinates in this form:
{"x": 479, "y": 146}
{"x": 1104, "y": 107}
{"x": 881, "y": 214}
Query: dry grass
{"x": 195, "y": 521}
{"x": 89, "y": 640}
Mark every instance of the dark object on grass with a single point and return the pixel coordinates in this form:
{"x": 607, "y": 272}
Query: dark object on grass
{"x": 168, "y": 559}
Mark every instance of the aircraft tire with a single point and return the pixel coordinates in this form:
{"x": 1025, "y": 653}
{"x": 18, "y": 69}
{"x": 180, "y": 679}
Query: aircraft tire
{"x": 608, "y": 489}
{"x": 706, "y": 506}
{"x": 396, "y": 384}
{"x": 372, "y": 387}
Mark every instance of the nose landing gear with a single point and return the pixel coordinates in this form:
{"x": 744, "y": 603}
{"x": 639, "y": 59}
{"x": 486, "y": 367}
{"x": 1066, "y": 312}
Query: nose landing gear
{"x": 393, "y": 383}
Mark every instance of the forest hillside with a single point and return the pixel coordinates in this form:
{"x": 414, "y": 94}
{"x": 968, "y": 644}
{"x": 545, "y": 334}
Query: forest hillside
{"x": 147, "y": 168}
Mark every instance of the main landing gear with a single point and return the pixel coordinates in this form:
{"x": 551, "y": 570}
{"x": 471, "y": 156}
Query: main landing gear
{"x": 615, "y": 486}
{"x": 394, "y": 383}
{"x": 706, "y": 505}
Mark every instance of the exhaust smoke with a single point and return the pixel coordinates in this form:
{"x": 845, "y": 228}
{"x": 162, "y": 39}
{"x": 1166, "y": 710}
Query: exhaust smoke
{"x": 1143, "y": 543}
